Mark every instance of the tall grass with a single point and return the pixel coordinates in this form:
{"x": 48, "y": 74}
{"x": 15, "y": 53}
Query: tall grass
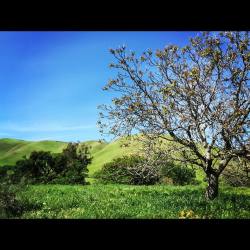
{"x": 123, "y": 201}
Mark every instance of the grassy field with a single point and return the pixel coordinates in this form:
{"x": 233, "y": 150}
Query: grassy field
{"x": 123, "y": 201}
{"x": 120, "y": 201}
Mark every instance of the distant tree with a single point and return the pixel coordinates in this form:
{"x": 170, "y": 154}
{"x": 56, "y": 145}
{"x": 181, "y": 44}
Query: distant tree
{"x": 197, "y": 96}
{"x": 68, "y": 167}
{"x": 38, "y": 167}
{"x": 71, "y": 164}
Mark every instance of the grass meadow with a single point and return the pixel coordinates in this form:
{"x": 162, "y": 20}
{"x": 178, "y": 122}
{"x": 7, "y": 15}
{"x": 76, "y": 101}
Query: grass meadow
{"x": 97, "y": 201}
{"x": 120, "y": 201}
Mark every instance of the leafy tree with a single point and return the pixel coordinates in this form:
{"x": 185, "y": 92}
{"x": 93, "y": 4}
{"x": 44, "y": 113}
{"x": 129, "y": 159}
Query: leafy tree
{"x": 71, "y": 164}
{"x": 197, "y": 97}
{"x": 38, "y": 167}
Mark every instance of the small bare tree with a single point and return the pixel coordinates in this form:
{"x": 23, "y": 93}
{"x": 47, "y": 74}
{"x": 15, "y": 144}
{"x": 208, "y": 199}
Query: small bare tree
{"x": 197, "y": 96}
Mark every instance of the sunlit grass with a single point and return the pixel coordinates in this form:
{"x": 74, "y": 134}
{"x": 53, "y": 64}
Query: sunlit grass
{"x": 123, "y": 201}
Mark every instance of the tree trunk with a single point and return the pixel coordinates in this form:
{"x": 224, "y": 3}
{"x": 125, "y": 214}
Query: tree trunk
{"x": 213, "y": 186}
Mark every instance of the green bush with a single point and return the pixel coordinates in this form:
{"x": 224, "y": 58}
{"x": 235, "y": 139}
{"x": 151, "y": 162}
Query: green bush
{"x": 127, "y": 170}
{"x": 237, "y": 174}
{"x": 137, "y": 170}
{"x": 114, "y": 172}
{"x": 179, "y": 175}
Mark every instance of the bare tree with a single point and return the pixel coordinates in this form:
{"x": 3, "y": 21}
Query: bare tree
{"x": 197, "y": 96}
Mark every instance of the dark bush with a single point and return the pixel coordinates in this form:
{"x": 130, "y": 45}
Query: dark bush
{"x": 114, "y": 172}
{"x": 12, "y": 206}
{"x": 237, "y": 174}
{"x": 68, "y": 167}
{"x": 38, "y": 168}
{"x": 6, "y": 172}
{"x": 179, "y": 175}
{"x": 128, "y": 170}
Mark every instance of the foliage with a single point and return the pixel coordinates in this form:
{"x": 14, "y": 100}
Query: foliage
{"x": 9, "y": 205}
{"x": 128, "y": 170}
{"x": 99, "y": 201}
{"x": 6, "y": 173}
{"x": 68, "y": 167}
{"x": 38, "y": 168}
{"x": 237, "y": 174}
{"x": 180, "y": 175}
{"x": 71, "y": 165}
{"x": 12, "y": 206}
{"x": 198, "y": 95}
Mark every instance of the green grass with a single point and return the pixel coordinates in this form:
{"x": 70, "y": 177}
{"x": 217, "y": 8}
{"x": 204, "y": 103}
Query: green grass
{"x": 123, "y": 201}
{"x": 120, "y": 201}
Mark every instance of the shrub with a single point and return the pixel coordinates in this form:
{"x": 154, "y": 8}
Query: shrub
{"x": 237, "y": 174}
{"x": 114, "y": 172}
{"x": 128, "y": 170}
{"x": 137, "y": 170}
{"x": 9, "y": 205}
{"x": 179, "y": 175}
{"x": 6, "y": 173}
{"x": 12, "y": 206}
{"x": 167, "y": 180}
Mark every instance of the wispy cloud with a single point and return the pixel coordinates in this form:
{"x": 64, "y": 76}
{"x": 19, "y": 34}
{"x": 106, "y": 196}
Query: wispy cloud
{"x": 43, "y": 128}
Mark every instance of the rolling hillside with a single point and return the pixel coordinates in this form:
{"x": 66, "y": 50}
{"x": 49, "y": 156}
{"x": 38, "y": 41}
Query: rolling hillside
{"x": 12, "y": 150}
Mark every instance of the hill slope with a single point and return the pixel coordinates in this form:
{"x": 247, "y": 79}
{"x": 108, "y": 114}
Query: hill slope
{"x": 107, "y": 152}
{"x": 12, "y": 150}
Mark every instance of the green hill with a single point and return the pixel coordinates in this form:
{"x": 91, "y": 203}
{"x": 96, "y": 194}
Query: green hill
{"x": 12, "y": 150}
{"x": 106, "y": 152}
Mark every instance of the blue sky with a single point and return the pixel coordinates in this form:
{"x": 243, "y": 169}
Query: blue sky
{"x": 51, "y": 82}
